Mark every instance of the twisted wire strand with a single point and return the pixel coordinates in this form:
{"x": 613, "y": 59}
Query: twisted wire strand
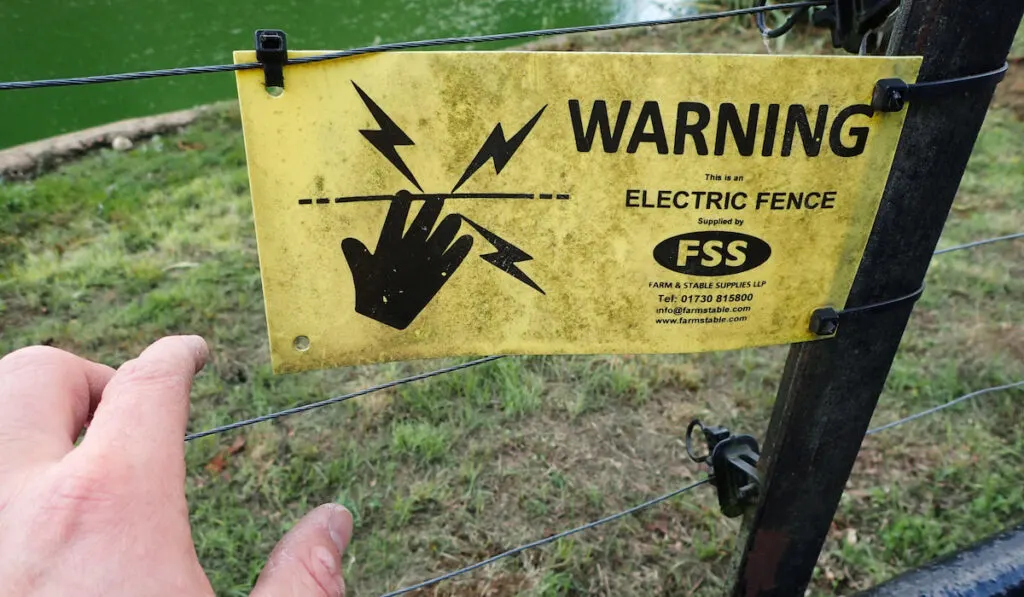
{"x": 405, "y": 45}
{"x": 549, "y": 539}
{"x": 338, "y": 399}
{"x": 941, "y": 407}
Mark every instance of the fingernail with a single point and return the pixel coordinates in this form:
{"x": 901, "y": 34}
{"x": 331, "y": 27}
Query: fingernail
{"x": 340, "y": 527}
{"x": 201, "y": 350}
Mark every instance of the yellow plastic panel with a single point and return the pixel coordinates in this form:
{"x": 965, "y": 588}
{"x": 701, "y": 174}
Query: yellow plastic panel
{"x": 430, "y": 204}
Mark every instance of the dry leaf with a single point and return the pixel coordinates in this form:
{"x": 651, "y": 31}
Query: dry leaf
{"x": 660, "y": 525}
{"x": 216, "y": 464}
{"x": 237, "y": 446}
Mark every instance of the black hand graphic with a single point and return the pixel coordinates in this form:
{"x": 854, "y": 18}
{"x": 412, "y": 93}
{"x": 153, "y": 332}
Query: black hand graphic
{"x": 400, "y": 278}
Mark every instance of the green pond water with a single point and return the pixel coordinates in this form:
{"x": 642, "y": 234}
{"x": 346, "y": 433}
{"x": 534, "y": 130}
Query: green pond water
{"x": 47, "y": 39}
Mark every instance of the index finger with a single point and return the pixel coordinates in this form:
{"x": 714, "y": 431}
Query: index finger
{"x": 143, "y": 413}
{"x": 394, "y": 222}
{"x": 424, "y": 221}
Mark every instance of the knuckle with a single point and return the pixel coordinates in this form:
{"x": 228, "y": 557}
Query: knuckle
{"x": 85, "y": 489}
{"x": 31, "y": 357}
{"x": 323, "y": 574}
{"x": 76, "y": 501}
{"x": 150, "y": 373}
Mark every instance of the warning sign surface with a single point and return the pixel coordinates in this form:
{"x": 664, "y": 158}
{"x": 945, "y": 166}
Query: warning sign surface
{"x": 413, "y": 205}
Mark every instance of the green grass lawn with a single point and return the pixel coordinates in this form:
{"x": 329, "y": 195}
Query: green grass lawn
{"x": 110, "y": 252}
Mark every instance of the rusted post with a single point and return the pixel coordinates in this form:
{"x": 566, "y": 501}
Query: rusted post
{"x": 829, "y": 388}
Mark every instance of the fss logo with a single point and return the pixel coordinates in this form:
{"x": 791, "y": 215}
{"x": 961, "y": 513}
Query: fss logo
{"x": 712, "y": 253}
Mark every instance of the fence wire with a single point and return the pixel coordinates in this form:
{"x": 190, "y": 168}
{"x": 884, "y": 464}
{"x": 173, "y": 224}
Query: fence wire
{"x": 408, "y": 45}
{"x": 940, "y": 407}
{"x": 979, "y": 243}
{"x": 339, "y": 399}
{"x": 549, "y": 539}
{"x": 653, "y": 502}
{"x": 481, "y": 361}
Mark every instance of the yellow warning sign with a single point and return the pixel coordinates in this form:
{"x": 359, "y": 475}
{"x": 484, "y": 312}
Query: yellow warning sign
{"x": 428, "y": 204}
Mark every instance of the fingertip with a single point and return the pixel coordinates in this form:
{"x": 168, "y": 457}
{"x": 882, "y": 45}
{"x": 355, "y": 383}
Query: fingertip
{"x": 200, "y": 350}
{"x": 461, "y": 247}
{"x": 143, "y": 413}
{"x": 353, "y": 248}
{"x": 339, "y": 525}
{"x": 308, "y": 559}
{"x": 190, "y": 348}
{"x": 450, "y": 218}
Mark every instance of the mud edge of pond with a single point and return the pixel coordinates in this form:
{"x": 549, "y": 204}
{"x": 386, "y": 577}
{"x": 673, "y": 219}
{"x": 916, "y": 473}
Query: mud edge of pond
{"x": 23, "y": 162}
{"x": 27, "y": 161}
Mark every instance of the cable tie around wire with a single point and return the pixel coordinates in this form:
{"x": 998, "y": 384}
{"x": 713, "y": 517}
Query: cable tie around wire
{"x": 408, "y": 45}
{"x": 891, "y": 95}
{"x": 910, "y": 296}
{"x": 272, "y": 53}
{"x": 825, "y": 320}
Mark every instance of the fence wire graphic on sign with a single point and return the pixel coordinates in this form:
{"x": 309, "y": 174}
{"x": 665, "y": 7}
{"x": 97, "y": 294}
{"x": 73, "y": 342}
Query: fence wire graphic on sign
{"x": 523, "y": 203}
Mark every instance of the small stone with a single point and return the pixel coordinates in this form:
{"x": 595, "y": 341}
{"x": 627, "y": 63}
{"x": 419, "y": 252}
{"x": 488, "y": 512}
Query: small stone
{"x": 121, "y": 144}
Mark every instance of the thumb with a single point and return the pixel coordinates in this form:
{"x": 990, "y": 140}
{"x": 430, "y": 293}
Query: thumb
{"x": 307, "y": 561}
{"x": 355, "y": 252}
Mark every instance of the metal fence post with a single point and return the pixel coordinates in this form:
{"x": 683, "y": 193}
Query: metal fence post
{"x": 829, "y": 388}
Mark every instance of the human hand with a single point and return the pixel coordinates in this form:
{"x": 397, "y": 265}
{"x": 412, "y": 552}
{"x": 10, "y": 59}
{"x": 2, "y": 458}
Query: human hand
{"x": 108, "y": 516}
{"x": 396, "y": 281}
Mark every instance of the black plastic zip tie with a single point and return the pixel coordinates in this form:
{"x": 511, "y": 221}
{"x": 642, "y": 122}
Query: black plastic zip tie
{"x": 272, "y": 53}
{"x": 910, "y": 296}
{"x": 891, "y": 95}
{"x": 825, "y": 321}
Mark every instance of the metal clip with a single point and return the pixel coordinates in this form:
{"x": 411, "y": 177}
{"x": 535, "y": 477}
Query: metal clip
{"x": 272, "y": 53}
{"x": 732, "y": 466}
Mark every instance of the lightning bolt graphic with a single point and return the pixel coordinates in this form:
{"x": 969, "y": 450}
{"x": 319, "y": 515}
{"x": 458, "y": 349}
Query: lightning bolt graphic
{"x": 387, "y": 137}
{"x": 506, "y": 256}
{"x": 500, "y": 149}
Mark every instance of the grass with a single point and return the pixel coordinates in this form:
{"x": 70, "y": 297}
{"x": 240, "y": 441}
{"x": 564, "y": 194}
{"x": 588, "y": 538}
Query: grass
{"x": 110, "y": 252}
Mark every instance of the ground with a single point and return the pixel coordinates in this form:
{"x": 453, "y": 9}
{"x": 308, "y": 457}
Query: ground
{"x": 106, "y": 254}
